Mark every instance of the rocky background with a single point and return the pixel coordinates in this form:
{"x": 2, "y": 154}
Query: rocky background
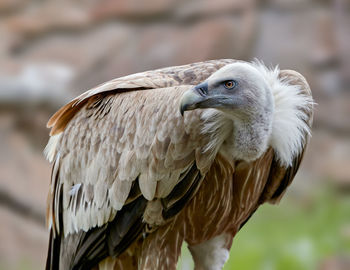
{"x": 52, "y": 50}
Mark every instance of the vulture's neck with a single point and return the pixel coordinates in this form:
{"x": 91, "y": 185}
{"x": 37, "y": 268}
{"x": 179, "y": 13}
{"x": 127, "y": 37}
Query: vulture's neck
{"x": 249, "y": 138}
{"x": 235, "y": 138}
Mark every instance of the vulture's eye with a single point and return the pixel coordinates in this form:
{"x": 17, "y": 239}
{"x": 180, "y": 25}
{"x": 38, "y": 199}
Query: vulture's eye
{"x": 230, "y": 84}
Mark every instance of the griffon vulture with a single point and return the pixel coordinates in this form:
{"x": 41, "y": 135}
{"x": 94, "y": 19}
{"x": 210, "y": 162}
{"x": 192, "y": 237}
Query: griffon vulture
{"x": 187, "y": 153}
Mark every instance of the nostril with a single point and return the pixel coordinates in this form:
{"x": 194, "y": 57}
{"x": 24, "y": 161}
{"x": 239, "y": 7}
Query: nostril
{"x": 202, "y": 91}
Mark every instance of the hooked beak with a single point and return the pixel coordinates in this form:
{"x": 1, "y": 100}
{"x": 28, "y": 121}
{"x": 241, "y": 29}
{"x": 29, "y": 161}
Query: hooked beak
{"x": 192, "y": 98}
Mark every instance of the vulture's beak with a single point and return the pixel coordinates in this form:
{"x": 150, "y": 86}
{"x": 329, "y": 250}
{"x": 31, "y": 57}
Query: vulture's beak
{"x": 192, "y": 98}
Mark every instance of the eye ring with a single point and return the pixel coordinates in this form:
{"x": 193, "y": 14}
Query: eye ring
{"x": 230, "y": 84}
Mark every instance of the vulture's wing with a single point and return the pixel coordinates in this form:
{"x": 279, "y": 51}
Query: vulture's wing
{"x": 115, "y": 148}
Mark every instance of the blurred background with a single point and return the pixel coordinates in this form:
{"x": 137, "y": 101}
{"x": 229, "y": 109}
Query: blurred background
{"x": 52, "y": 50}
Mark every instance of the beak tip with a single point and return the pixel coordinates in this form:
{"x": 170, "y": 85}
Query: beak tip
{"x": 190, "y": 100}
{"x": 182, "y": 111}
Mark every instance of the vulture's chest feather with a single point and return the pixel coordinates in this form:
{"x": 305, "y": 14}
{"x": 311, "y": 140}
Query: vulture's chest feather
{"x": 226, "y": 198}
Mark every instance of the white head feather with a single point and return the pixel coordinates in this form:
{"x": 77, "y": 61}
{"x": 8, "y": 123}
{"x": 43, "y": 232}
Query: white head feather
{"x": 291, "y": 108}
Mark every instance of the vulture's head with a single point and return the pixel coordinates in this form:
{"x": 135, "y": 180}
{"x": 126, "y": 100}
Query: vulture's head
{"x": 242, "y": 96}
{"x": 261, "y": 108}
{"x": 238, "y": 89}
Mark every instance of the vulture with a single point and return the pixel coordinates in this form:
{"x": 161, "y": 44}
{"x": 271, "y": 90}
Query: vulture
{"x": 188, "y": 153}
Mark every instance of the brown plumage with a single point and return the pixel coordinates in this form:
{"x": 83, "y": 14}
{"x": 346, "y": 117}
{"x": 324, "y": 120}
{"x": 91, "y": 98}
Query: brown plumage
{"x": 132, "y": 178}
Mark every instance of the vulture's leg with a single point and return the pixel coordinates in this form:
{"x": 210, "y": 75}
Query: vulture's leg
{"x": 161, "y": 249}
{"x": 211, "y": 254}
{"x": 128, "y": 260}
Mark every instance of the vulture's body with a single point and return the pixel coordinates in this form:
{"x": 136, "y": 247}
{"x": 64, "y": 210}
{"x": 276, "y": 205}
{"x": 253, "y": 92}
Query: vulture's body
{"x": 132, "y": 178}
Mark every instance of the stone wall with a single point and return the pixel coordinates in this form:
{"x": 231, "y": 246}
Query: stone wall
{"x": 53, "y": 50}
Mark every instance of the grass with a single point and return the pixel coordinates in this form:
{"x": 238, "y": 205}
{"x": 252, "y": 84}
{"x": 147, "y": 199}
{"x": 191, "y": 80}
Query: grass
{"x": 298, "y": 233}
